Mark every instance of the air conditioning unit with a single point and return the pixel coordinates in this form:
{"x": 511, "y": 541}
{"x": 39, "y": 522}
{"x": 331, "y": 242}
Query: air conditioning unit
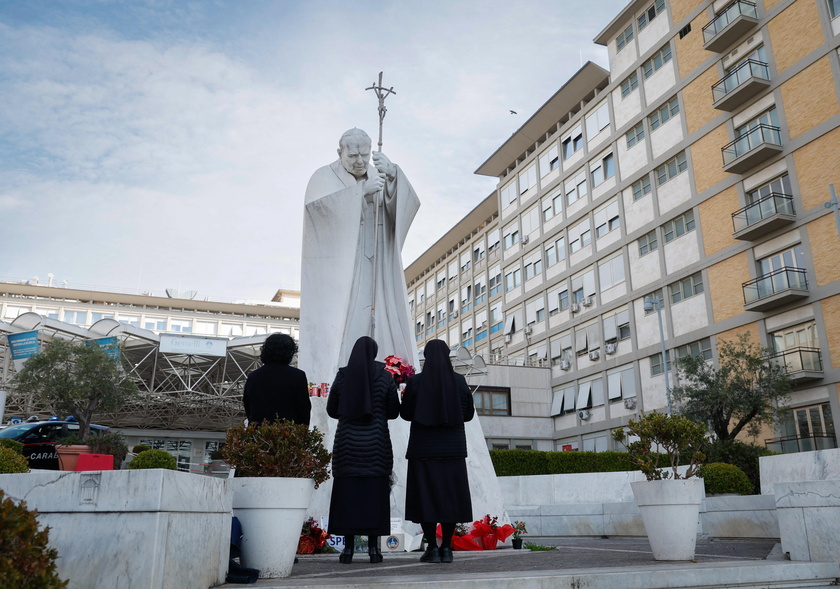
{"x": 594, "y": 355}
{"x": 629, "y": 403}
{"x": 507, "y": 339}
{"x": 565, "y": 365}
{"x": 587, "y": 302}
{"x": 575, "y": 308}
{"x": 610, "y": 348}
{"x": 524, "y": 240}
{"x": 529, "y": 330}
{"x": 584, "y": 414}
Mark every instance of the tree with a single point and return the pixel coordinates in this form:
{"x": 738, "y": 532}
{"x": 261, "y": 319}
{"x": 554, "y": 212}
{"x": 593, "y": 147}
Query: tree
{"x": 747, "y": 390}
{"x": 76, "y": 379}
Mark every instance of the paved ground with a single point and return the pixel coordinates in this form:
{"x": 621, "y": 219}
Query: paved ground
{"x": 569, "y": 554}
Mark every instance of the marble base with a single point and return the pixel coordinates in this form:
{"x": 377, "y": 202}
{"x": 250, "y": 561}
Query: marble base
{"x": 740, "y": 516}
{"x": 484, "y": 485}
{"x": 819, "y": 465}
{"x": 144, "y": 529}
{"x": 809, "y": 519}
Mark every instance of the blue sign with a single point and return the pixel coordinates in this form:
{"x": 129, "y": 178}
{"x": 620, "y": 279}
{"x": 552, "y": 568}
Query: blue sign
{"x": 24, "y": 345}
{"x": 109, "y": 344}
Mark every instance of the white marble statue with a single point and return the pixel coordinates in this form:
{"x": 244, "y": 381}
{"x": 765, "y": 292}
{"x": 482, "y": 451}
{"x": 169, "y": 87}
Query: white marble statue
{"x": 340, "y": 246}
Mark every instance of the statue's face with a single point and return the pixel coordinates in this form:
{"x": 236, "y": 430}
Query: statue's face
{"x": 355, "y": 155}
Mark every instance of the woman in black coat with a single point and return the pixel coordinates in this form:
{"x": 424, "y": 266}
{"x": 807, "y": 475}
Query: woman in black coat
{"x": 437, "y": 402}
{"x": 363, "y": 398}
{"x": 277, "y": 390}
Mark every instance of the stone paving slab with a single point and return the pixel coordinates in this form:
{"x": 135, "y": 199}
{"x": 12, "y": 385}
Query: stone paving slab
{"x": 575, "y": 562}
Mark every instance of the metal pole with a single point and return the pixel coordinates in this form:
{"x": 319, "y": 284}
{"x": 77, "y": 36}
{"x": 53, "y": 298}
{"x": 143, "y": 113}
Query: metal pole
{"x": 658, "y": 304}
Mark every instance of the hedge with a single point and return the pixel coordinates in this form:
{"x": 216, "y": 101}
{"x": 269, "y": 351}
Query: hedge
{"x": 529, "y": 462}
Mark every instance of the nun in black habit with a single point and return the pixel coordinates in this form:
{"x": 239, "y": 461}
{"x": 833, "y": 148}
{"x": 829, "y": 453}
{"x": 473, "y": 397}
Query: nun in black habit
{"x": 437, "y": 402}
{"x": 363, "y": 398}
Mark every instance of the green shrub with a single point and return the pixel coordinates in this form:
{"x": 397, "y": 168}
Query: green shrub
{"x": 531, "y": 462}
{"x": 140, "y": 448}
{"x": 13, "y": 444}
{"x": 277, "y": 449}
{"x": 109, "y": 442}
{"x": 724, "y": 478}
{"x": 25, "y": 560}
{"x": 11, "y": 461}
{"x": 744, "y": 456}
{"x": 154, "y": 459}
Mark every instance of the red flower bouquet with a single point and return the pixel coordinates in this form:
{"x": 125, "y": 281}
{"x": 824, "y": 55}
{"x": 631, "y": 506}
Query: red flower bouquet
{"x": 399, "y": 368}
{"x": 312, "y": 538}
{"x": 488, "y": 531}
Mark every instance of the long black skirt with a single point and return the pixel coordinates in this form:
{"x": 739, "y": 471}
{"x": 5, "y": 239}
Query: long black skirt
{"x": 360, "y": 506}
{"x": 438, "y": 491}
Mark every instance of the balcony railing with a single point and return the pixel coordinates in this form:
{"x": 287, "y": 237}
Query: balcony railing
{"x": 741, "y": 84}
{"x": 800, "y": 363}
{"x": 793, "y": 444}
{"x": 775, "y": 289}
{"x": 763, "y": 216}
{"x": 731, "y": 23}
{"x": 751, "y": 148}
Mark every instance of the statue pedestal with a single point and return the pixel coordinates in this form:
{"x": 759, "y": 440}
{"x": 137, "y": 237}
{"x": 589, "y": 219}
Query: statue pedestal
{"x": 484, "y": 487}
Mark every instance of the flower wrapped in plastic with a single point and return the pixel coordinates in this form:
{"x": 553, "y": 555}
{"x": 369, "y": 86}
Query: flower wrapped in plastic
{"x": 489, "y": 533}
{"x": 399, "y": 368}
{"x": 312, "y": 538}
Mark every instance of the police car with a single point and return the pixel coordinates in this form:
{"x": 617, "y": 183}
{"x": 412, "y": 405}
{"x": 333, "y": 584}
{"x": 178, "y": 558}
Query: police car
{"x": 39, "y": 438}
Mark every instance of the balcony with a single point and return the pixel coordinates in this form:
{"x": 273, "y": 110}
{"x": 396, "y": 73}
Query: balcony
{"x": 801, "y": 364}
{"x": 729, "y": 25}
{"x": 741, "y": 84}
{"x": 794, "y": 444}
{"x": 750, "y": 149}
{"x": 763, "y": 216}
{"x": 778, "y": 288}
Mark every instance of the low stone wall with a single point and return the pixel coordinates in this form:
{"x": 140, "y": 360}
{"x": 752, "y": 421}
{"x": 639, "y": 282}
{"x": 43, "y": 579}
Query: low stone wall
{"x": 819, "y": 465}
{"x": 809, "y": 518}
{"x": 131, "y": 528}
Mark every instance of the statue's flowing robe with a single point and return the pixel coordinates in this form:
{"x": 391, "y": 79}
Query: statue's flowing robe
{"x": 337, "y": 271}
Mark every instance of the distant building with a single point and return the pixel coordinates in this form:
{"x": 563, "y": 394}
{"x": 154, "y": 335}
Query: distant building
{"x": 694, "y": 173}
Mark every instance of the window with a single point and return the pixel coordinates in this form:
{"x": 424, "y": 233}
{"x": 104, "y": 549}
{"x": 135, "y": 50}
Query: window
{"x": 621, "y": 383}
{"x": 779, "y": 186}
{"x": 598, "y": 120}
{"x": 624, "y": 38}
{"x": 687, "y": 287}
{"x": 527, "y": 179}
{"x": 635, "y": 135}
{"x": 572, "y": 142}
{"x": 679, "y": 226}
{"x": 587, "y": 338}
{"x": 466, "y": 263}
{"x": 580, "y": 236}
{"x": 611, "y": 272}
{"x": 535, "y": 311}
{"x": 513, "y": 279}
{"x": 563, "y": 400}
{"x": 576, "y": 188}
{"x": 552, "y": 205}
{"x": 647, "y": 243}
{"x": 530, "y": 221}
{"x": 583, "y": 285}
{"x": 563, "y": 299}
{"x": 75, "y": 317}
{"x": 834, "y": 8}
{"x": 670, "y": 169}
{"x": 651, "y": 13}
{"x": 549, "y": 160}
{"x": 480, "y": 291}
{"x": 607, "y": 219}
{"x": 533, "y": 265}
{"x": 180, "y": 325}
{"x": 603, "y": 169}
{"x": 232, "y": 329}
{"x": 509, "y": 193}
{"x": 511, "y": 236}
{"x": 656, "y": 363}
{"x": 629, "y": 85}
{"x": 492, "y": 401}
{"x": 617, "y": 325}
{"x": 641, "y": 187}
{"x": 155, "y": 323}
{"x": 656, "y": 62}
{"x": 96, "y": 316}
{"x": 130, "y": 320}
{"x": 493, "y": 241}
{"x": 702, "y": 348}
{"x": 555, "y": 251}
{"x": 495, "y": 280}
{"x": 53, "y": 314}
{"x": 664, "y": 113}
{"x": 769, "y": 117}
{"x": 789, "y": 258}
{"x": 478, "y": 255}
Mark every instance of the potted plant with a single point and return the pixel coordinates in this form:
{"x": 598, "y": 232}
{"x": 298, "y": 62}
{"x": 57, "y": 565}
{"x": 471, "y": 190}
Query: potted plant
{"x": 518, "y": 529}
{"x": 669, "y": 502}
{"x": 277, "y": 466}
{"x": 78, "y": 379}
{"x": 112, "y": 443}
{"x": 489, "y": 533}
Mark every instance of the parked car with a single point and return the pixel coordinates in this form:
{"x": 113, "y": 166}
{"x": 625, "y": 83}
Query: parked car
{"x": 39, "y": 438}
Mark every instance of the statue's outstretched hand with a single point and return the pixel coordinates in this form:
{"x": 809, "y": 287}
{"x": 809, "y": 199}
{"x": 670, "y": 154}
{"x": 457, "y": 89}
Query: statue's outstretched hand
{"x": 373, "y": 184}
{"x": 384, "y": 165}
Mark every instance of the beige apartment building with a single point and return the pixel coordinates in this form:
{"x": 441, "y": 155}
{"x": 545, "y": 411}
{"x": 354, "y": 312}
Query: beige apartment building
{"x": 688, "y": 182}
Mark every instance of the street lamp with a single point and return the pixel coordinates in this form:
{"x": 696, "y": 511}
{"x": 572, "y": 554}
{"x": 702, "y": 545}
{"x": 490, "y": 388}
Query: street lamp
{"x": 650, "y": 303}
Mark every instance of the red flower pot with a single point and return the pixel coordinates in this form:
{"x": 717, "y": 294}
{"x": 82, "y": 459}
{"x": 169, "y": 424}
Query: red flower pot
{"x": 489, "y": 541}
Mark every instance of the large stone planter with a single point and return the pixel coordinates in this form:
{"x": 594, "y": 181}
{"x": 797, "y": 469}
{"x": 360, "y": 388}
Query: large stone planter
{"x": 670, "y": 511}
{"x": 149, "y": 529}
{"x": 809, "y": 519}
{"x": 271, "y": 511}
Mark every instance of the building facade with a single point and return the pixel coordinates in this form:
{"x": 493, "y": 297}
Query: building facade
{"x": 689, "y": 184}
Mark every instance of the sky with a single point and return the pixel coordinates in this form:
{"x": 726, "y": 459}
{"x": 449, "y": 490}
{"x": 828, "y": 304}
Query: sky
{"x": 160, "y": 144}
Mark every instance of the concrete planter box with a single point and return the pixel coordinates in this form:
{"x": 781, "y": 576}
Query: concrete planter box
{"x": 809, "y": 519}
{"x": 144, "y": 529}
